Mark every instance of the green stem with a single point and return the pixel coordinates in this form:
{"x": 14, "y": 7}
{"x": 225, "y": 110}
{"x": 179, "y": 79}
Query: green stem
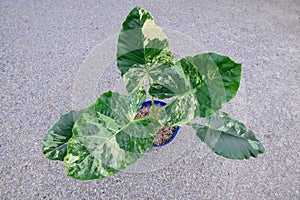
{"x": 152, "y": 98}
{"x": 152, "y": 106}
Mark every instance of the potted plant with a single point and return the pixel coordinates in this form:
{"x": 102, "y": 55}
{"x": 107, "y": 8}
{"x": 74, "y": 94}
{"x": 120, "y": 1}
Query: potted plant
{"x": 106, "y": 137}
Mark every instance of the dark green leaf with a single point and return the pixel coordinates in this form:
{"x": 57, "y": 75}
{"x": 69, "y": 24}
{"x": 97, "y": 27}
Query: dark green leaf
{"x": 142, "y": 49}
{"x": 106, "y": 138}
{"x": 201, "y": 85}
{"x": 55, "y": 142}
{"x": 228, "y": 137}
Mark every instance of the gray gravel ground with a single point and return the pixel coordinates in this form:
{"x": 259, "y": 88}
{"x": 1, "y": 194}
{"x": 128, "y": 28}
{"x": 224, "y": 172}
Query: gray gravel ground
{"x": 44, "y": 43}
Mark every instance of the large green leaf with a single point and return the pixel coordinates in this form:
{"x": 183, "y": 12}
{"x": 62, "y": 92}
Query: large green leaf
{"x": 107, "y": 138}
{"x": 228, "y": 137}
{"x": 201, "y": 85}
{"x": 55, "y": 142}
{"x": 142, "y": 49}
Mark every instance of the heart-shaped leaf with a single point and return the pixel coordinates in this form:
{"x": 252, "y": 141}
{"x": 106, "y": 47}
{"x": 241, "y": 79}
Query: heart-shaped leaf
{"x": 107, "y": 138}
{"x": 228, "y": 137}
{"x": 55, "y": 142}
{"x": 142, "y": 49}
{"x": 201, "y": 85}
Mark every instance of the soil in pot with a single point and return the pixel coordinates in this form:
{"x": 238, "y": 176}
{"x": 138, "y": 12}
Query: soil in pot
{"x": 164, "y": 133}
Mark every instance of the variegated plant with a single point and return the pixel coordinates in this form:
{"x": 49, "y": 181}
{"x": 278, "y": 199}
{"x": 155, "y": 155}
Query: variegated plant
{"x": 105, "y": 138}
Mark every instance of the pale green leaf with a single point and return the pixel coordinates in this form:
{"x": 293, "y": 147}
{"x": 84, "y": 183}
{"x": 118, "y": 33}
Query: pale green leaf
{"x": 228, "y": 137}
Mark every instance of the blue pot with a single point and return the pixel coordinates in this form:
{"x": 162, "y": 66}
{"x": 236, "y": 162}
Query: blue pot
{"x": 161, "y": 103}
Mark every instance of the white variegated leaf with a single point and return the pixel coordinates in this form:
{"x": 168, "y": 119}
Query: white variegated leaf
{"x": 142, "y": 49}
{"x": 228, "y": 137}
{"x": 107, "y": 138}
{"x": 55, "y": 142}
{"x": 200, "y": 84}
